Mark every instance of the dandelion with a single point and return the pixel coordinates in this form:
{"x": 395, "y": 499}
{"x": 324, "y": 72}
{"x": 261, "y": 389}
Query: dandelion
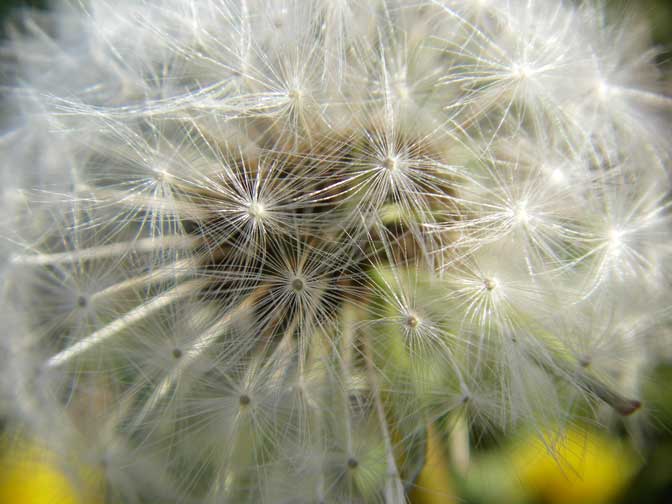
{"x": 252, "y": 250}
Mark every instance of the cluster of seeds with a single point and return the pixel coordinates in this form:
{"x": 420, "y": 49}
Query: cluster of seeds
{"x": 254, "y": 248}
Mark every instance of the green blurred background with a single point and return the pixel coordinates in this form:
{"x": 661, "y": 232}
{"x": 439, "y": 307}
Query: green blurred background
{"x": 632, "y": 464}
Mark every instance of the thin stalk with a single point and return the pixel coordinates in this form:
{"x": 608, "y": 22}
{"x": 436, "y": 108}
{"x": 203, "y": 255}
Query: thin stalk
{"x": 197, "y": 349}
{"x": 125, "y": 321}
{"x": 394, "y": 489}
{"x": 120, "y": 249}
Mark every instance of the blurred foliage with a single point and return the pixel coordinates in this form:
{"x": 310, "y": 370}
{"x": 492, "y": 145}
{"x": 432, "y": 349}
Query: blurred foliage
{"x": 434, "y": 484}
{"x": 7, "y": 5}
{"x": 579, "y": 465}
{"x": 654, "y": 481}
{"x": 659, "y": 12}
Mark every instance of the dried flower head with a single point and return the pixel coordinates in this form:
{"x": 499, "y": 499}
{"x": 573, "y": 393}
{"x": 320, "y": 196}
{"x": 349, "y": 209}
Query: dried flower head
{"x": 252, "y": 248}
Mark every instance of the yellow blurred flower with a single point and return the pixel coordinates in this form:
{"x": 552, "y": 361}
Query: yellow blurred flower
{"x": 29, "y": 474}
{"x": 577, "y": 466}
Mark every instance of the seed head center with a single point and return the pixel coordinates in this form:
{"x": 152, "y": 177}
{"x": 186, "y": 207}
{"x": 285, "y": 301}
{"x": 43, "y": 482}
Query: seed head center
{"x": 390, "y": 164}
{"x": 298, "y": 285}
{"x": 256, "y": 210}
{"x": 412, "y": 321}
{"x": 295, "y": 94}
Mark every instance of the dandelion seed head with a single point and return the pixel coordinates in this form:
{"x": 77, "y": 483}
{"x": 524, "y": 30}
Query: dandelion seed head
{"x": 602, "y": 89}
{"x": 616, "y": 241}
{"x": 297, "y": 284}
{"x": 252, "y": 249}
{"x": 558, "y": 177}
{"x": 256, "y": 210}
{"x": 412, "y": 321}
{"x": 520, "y": 213}
{"x": 490, "y": 283}
{"x": 390, "y": 164}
